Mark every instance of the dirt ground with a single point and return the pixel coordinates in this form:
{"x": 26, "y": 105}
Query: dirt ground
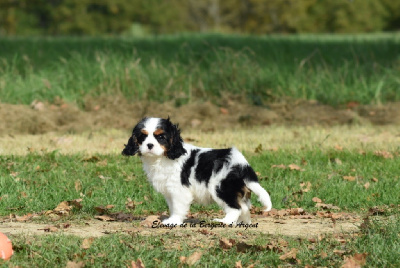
{"x": 119, "y": 113}
{"x": 305, "y": 226}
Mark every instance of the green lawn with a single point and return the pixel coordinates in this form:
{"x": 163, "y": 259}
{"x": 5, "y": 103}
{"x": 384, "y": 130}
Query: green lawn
{"x": 328, "y": 68}
{"x": 40, "y": 181}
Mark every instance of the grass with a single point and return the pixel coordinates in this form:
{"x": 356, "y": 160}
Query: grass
{"x": 330, "y": 69}
{"x": 39, "y": 180}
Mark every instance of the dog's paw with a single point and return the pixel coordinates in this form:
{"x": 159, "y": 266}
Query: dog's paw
{"x": 172, "y": 221}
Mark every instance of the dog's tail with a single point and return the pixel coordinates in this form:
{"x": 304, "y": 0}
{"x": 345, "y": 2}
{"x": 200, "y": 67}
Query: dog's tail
{"x": 262, "y": 194}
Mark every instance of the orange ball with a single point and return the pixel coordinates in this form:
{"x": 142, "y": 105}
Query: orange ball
{"x": 6, "y": 250}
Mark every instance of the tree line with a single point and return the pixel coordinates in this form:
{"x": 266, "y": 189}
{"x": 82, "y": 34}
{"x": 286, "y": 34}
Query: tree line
{"x": 141, "y": 17}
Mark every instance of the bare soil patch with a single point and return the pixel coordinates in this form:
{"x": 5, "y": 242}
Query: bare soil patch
{"x": 119, "y": 113}
{"x": 285, "y": 225}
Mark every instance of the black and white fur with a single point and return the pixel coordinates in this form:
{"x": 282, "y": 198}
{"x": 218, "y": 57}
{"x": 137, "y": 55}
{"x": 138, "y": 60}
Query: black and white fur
{"x": 184, "y": 173}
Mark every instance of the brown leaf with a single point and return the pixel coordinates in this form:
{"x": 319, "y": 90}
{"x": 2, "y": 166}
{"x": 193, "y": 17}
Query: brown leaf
{"x": 349, "y": 178}
{"x": 323, "y": 255}
{"x": 78, "y": 186}
{"x": 384, "y": 154}
{"x": 366, "y": 186}
{"x": 224, "y": 110}
{"x": 356, "y": 261}
{"x": 26, "y": 217}
{"x": 238, "y": 264}
{"x": 281, "y": 166}
{"x": 87, "y": 242}
{"x": 148, "y": 222}
{"x": 226, "y": 244}
{"x": 296, "y": 211}
{"x": 129, "y": 204}
{"x": 104, "y": 218}
{"x": 289, "y": 255}
{"x": 71, "y": 264}
{"x": 305, "y": 186}
{"x": 294, "y": 167}
{"x": 192, "y": 259}
{"x": 374, "y": 179}
{"x": 338, "y": 148}
{"x": 63, "y": 208}
{"x": 76, "y": 203}
{"x": 316, "y": 200}
{"x": 138, "y": 264}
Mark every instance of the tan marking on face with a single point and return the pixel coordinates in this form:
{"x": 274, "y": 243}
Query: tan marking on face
{"x": 158, "y": 131}
{"x": 145, "y": 132}
{"x": 165, "y": 149}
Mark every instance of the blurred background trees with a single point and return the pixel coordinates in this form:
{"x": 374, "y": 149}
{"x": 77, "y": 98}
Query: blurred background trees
{"x": 141, "y": 17}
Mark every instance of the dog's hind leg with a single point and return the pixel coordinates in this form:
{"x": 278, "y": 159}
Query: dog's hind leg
{"x": 231, "y": 217}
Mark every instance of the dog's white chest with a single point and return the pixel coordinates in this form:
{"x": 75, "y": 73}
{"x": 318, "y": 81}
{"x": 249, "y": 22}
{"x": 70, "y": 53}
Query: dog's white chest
{"x": 161, "y": 174}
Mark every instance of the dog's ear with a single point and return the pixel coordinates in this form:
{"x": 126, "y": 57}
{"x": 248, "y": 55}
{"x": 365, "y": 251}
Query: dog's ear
{"x": 131, "y": 148}
{"x": 176, "y": 143}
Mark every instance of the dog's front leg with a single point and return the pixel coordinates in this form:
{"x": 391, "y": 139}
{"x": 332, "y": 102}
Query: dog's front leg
{"x": 179, "y": 206}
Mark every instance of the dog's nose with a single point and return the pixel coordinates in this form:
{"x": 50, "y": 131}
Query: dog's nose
{"x": 150, "y": 145}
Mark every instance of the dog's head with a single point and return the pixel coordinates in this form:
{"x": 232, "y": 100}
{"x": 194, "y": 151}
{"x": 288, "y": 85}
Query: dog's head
{"x": 155, "y": 137}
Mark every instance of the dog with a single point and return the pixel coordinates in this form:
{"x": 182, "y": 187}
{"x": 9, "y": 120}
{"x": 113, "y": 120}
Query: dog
{"x": 184, "y": 173}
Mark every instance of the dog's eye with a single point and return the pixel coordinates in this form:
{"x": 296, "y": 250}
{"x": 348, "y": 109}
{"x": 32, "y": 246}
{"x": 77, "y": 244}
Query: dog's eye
{"x": 160, "y": 137}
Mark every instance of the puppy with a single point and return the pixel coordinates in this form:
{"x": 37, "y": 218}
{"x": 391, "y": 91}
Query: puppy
{"x": 184, "y": 173}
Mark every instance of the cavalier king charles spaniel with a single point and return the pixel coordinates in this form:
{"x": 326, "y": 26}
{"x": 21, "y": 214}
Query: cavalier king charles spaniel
{"x": 184, "y": 173}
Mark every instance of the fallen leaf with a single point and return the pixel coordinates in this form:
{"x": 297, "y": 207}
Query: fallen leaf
{"x": 224, "y": 110}
{"x": 63, "y": 208}
{"x": 71, "y": 264}
{"x": 148, "y": 222}
{"x": 384, "y": 154}
{"x": 24, "y": 218}
{"x": 338, "y": 148}
{"x": 349, "y": 178}
{"x": 356, "y": 261}
{"x": 338, "y": 161}
{"x": 305, "y": 186}
{"x": 87, "y": 242}
{"x": 138, "y": 264}
{"x": 296, "y": 211}
{"x": 192, "y": 259}
{"x": 323, "y": 255}
{"x": 238, "y": 264}
{"x": 104, "y": 218}
{"x": 289, "y": 255}
{"x": 366, "y": 186}
{"x": 316, "y": 200}
{"x": 281, "y": 166}
{"x": 294, "y": 167}
{"x": 78, "y": 186}
{"x": 129, "y": 204}
{"x": 226, "y": 244}
{"x": 374, "y": 179}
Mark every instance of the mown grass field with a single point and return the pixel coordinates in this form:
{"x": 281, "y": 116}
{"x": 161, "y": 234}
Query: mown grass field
{"x": 358, "y": 179}
{"x": 351, "y": 169}
{"x": 331, "y": 69}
